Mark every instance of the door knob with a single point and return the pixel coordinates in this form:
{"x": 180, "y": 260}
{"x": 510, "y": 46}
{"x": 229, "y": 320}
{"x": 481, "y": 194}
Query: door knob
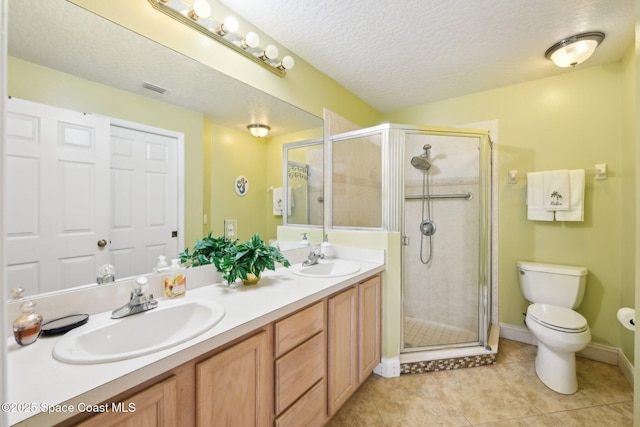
{"x": 102, "y": 243}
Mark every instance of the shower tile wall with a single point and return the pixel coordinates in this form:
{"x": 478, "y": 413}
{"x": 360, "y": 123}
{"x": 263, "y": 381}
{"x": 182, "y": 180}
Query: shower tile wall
{"x": 444, "y": 292}
{"x": 357, "y": 182}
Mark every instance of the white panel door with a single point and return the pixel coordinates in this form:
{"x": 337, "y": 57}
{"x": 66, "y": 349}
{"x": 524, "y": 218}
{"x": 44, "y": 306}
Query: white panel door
{"x": 57, "y": 195}
{"x": 144, "y": 194}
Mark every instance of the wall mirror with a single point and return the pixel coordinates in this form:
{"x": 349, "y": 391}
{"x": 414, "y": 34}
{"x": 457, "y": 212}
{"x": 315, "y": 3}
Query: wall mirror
{"x": 61, "y": 36}
{"x": 303, "y": 178}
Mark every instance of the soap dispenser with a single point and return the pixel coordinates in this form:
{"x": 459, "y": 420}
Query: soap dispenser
{"x": 176, "y": 284}
{"x": 26, "y": 328}
{"x": 304, "y": 241}
{"x": 326, "y": 248}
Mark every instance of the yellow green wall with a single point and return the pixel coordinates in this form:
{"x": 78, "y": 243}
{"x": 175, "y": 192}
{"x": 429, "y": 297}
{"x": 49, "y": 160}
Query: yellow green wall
{"x": 569, "y": 121}
{"x": 234, "y": 153}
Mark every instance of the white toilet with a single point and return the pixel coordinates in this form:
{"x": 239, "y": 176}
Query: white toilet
{"x": 554, "y": 290}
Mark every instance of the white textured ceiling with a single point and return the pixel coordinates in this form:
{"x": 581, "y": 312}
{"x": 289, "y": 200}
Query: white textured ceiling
{"x": 392, "y": 54}
{"x": 399, "y": 53}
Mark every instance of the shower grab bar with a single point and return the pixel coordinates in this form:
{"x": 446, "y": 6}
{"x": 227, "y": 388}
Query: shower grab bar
{"x": 466, "y": 196}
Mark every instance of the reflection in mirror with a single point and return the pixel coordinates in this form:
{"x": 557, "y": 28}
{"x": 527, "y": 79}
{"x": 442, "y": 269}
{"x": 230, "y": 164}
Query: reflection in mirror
{"x": 303, "y": 177}
{"x": 66, "y": 57}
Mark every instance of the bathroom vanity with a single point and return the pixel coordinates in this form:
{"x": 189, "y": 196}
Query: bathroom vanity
{"x": 288, "y": 351}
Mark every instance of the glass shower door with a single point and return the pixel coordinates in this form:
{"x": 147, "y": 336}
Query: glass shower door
{"x": 445, "y": 220}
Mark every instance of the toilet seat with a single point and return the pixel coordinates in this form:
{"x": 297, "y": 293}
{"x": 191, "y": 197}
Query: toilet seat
{"x": 557, "y": 318}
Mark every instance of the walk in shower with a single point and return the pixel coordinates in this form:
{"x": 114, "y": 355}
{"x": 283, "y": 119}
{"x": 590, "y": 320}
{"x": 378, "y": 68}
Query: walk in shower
{"x": 434, "y": 188}
{"x": 446, "y": 286}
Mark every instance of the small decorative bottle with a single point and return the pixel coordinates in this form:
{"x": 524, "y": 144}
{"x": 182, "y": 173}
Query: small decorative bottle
{"x": 26, "y": 328}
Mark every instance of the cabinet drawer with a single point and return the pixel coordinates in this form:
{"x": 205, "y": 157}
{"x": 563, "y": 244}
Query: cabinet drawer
{"x": 308, "y": 411}
{"x": 298, "y": 328}
{"x": 298, "y": 370}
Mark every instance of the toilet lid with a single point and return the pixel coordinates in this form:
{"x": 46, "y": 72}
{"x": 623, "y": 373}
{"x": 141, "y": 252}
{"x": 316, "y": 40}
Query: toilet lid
{"x": 558, "y": 318}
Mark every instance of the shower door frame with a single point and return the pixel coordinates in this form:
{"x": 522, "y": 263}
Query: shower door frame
{"x": 484, "y": 197}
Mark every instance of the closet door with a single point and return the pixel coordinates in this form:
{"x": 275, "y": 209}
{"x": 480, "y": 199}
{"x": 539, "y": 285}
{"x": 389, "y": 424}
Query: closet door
{"x": 57, "y": 196}
{"x": 144, "y": 194}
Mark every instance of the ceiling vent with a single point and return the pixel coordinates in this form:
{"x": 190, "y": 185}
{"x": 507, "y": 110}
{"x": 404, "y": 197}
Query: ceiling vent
{"x": 153, "y": 87}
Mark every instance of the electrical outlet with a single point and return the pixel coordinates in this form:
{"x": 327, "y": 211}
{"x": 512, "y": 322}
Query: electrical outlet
{"x": 231, "y": 229}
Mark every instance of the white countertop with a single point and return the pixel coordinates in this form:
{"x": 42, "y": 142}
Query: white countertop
{"x": 37, "y": 382}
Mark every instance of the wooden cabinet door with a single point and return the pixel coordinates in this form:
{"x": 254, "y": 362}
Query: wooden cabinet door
{"x": 155, "y": 406}
{"x": 342, "y": 344}
{"x": 369, "y": 323}
{"x": 234, "y": 387}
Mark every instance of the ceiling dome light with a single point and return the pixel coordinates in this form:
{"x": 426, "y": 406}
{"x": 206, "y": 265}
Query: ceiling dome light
{"x": 258, "y": 130}
{"x": 574, "y": 50}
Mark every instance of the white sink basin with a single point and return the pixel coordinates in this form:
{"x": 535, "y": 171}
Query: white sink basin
{"x": 333, "y": 268}
{"x": 172, "y": 323}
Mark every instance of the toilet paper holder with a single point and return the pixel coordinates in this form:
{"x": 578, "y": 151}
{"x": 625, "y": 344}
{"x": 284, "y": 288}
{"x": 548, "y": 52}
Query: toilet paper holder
{"x": 627, "y": 316}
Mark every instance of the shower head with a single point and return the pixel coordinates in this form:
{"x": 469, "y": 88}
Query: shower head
{"x": 422, "y": 162}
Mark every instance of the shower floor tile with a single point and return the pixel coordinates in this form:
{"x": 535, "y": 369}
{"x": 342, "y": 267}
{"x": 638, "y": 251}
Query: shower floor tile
{"x": 422, "y": 333}
{"x": 506, "y": 394}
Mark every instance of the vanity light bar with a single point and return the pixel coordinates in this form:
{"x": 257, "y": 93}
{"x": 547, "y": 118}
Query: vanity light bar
{"x": 223, "y": 31}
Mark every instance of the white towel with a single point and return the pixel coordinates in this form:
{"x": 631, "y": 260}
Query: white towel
{"x": 576, "y": 191}
{"x": 535, "y": 198}
{"x": 556, "y": 190}
{"x": 278, "y": 201}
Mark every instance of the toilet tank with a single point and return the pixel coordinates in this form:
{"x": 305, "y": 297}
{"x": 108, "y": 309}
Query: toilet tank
{"x": 561, "y": 285}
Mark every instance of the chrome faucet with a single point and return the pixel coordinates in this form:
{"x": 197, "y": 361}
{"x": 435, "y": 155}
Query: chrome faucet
{"x": 314, "y": 256}
{"x": 140, "y": 300}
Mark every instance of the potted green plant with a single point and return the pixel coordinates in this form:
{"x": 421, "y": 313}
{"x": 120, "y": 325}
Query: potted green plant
{"x": 248, "y": 260}
{"x": 209, "y": 250}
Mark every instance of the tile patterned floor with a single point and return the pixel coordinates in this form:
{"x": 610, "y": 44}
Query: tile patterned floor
{"x": 507, "y": 394}
{"x": 420, "y": 333}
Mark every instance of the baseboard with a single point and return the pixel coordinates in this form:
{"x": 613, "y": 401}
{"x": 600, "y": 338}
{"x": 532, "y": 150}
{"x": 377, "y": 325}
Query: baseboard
{"x": 388, "y": 367}
{"x": 517, "y": 333}
{"x": 626, "y": 367}
{"x": 594, "y": 351}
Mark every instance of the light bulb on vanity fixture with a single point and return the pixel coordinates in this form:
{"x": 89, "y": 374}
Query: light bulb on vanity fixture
{"x": 574, "y": 50}
{"x": 270, "y": 52}
{"x": 201, "y": 10}
{"x": 250, "y": 40}
{"x": 230, "y": 25}
{"x": 287, "y": 63}
{"x": 258, "y": 130}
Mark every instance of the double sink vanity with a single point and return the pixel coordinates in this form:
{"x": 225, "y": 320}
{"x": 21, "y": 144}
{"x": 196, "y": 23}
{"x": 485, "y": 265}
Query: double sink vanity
{"x": 287, "y": 351}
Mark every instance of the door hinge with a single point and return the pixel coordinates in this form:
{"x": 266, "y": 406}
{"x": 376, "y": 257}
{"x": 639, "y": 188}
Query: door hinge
{"x": 174, "y": 233}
